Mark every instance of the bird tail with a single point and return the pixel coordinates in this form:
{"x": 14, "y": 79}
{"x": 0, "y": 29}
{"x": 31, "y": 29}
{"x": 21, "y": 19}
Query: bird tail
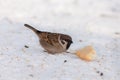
{"x": 32, "y": 28}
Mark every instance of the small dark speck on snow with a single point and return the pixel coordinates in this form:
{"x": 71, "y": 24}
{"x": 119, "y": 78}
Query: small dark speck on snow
{"x": 101, "y": 74}
{"x": 117, "y": 33}
{"x": 31, "y": 75}
{"x": 65, "y": 61}
{"x": 26, "y": 46}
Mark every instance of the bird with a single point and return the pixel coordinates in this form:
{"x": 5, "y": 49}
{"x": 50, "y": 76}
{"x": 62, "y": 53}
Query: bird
{"x": 52, "y": 42}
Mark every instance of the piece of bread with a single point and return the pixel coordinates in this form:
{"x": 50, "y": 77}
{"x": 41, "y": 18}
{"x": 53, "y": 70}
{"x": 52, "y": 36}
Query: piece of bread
{"x": 87, "y": 53}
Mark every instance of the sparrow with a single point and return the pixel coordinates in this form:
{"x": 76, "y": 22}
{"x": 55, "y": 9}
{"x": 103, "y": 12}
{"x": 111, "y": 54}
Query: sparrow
{"x": 52, "y": 42}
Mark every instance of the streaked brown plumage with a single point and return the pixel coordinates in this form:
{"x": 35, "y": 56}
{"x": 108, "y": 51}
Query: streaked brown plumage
{"x": 52, "y": 42}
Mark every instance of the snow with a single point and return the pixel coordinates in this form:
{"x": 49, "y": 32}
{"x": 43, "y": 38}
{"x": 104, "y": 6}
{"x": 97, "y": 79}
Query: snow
{"x": 89, "y": 22}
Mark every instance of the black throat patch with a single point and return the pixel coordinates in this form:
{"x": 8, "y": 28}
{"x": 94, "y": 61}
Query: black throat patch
{"x": 68, "y": 44}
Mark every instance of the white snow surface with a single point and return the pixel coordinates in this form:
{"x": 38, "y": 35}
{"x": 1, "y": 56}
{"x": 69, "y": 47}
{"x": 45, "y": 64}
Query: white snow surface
{"x": 88, "y": 22}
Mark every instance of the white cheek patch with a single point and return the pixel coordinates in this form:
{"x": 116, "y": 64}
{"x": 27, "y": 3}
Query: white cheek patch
{"x": 63, "y": 45}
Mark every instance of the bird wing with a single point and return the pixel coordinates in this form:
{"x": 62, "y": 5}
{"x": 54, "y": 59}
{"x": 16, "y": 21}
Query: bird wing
{"x": 50, "y": 38}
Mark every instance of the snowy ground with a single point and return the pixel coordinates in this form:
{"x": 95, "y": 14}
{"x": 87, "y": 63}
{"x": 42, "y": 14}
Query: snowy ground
{"x": 89, "y": 22}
